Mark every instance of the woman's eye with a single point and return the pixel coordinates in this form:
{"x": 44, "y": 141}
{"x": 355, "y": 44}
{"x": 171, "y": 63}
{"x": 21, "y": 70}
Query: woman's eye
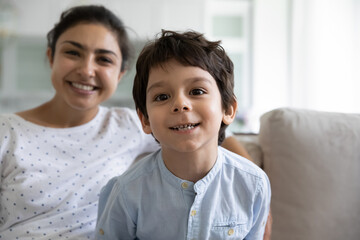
{"x": 72, "y": 52}
{"x": 161, "y": 97}
{"x": 197, "y": 91}
{"x": 105, "y": 60}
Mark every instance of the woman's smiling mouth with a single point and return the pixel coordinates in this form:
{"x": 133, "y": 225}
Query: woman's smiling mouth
{"x": 82, "y": 86}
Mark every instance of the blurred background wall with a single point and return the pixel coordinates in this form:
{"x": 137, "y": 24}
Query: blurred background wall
{"x": 295, "y": 53}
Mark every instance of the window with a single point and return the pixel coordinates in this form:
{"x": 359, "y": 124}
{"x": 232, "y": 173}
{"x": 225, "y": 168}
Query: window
{"x": 230, "y": 22}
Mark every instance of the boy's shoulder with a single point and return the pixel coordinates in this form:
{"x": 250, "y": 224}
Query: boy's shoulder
{"x": 139, "y": 170}
{"x": 240, "y": 164}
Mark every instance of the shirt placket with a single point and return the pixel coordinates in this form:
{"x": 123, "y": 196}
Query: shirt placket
{"x": 194, "y": 219}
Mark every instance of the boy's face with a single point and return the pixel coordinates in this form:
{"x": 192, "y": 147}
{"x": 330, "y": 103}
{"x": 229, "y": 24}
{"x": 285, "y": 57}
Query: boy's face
{"x": 184, "y": 108}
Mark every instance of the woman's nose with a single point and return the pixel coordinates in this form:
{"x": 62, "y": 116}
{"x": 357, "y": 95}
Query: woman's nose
{"x": 87, "y": 68}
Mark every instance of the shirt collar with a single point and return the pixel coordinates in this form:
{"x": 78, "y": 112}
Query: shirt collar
{"x": 200, "y": 186}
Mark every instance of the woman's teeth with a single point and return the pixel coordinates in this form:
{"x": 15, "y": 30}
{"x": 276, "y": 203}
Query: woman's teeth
{"x": 82, "y": 87}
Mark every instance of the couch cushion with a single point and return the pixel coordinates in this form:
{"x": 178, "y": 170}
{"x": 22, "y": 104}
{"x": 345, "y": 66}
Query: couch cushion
{"x": 313, "y": 162}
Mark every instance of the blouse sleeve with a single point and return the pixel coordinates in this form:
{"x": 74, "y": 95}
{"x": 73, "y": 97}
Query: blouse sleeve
{"x": 5, "y": 150}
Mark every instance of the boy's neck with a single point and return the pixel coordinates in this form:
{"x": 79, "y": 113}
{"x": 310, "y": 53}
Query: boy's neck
{"x": 190, "y": 166}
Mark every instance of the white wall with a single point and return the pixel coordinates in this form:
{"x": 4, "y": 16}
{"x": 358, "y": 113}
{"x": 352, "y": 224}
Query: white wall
{"x": 270, "y": 59}
{"x": 32, "y": 19}
{"x": 324, "y": 55}
{"x": 306, "y": 55}
{"x": 144, "y": 17}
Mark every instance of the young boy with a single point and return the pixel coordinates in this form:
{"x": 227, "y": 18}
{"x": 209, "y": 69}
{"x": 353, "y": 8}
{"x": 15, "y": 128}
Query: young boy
{"x": 191, "y": 188}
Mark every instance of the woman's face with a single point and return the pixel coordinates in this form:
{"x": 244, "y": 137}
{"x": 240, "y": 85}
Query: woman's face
{"x": 85, "y": 67}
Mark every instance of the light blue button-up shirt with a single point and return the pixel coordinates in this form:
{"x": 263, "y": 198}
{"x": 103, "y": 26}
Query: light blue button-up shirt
{"x": 148, "y": 202}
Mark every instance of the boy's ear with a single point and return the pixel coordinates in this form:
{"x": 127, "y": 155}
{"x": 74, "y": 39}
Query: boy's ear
{"x": 230, "y": 113}
{"x": 49, "y": 56}
{"x": 144, "y": 122}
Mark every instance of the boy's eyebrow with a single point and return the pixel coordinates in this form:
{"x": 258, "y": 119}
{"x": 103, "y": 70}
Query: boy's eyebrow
{"x": 155, "y": 85}
{"x": 194, "y": 79}
{"x": 200, "y": 79}
{"x": 78, "y": 45}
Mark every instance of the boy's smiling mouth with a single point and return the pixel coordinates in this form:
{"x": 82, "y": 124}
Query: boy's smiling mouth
{"x": 185, "y": 127}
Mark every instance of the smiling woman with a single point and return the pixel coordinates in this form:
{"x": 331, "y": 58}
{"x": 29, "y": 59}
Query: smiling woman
{"x": 85, "y": 69}
{"x": 70, "y": 143}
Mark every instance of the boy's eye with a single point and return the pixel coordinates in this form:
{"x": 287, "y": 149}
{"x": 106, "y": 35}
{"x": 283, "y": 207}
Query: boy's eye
{"x": 197, "y": 91}
{"x": 162, "y": 97}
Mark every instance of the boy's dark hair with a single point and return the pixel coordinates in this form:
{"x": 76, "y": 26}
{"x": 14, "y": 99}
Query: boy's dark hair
{"x": 190, "y": 49}
{"x": 92, "y": 14}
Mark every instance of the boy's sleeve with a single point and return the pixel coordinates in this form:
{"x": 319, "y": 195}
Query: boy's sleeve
{"x": 261, "y": 210}
{"x": 114, "y": 221}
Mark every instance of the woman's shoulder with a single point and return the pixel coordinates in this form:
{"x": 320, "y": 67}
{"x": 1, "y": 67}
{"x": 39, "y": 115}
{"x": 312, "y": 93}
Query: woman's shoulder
{"x": 119, "y": 112}
{"x": 8, "y": 120}
{"x": 11, "y": 128}
{"x": 6, "y": 116}
{"x": 120, "y": 116}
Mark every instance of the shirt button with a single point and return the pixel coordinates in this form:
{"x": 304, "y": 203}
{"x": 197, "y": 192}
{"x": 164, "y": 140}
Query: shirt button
{"x": 193, "y": 213}
{"x": 231, "y": 232}
{"x": 101, "y": 231}
{"x": 184, "y": 185}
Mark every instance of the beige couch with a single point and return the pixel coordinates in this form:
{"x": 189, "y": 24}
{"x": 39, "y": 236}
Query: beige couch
{"x": 313, "y": 163}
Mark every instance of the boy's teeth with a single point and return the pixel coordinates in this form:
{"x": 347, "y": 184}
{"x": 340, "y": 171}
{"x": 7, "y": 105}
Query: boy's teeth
{"x": 83, "y": 87}
{"x": 185, "y": 127}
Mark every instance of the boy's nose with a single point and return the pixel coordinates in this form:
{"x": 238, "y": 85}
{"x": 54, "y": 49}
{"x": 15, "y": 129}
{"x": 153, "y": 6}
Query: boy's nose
{"x": 179, "y": 109}
{"x": 181, "y": 104}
